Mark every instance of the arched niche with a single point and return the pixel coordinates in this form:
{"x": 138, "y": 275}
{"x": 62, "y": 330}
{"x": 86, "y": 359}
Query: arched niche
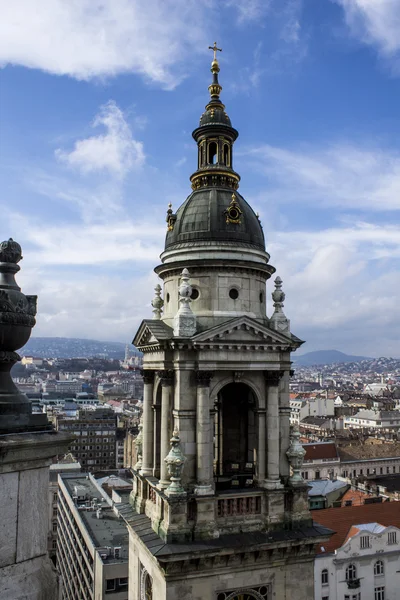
{"x": 235, "y": 435}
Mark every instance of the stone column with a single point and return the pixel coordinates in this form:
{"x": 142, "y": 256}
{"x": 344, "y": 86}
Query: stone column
{"x": 272, "y": 379}
{"x": 148, "y": 424}
{"x": 204, "y": 485}
{"x": 167, "y": 378}
{"x": 261, "y": 446}
{"x": 156, "y": 438}
{"x": 284, "y": 423}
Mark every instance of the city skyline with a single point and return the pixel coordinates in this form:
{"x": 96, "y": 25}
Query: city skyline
{"x": 96, "y": 141}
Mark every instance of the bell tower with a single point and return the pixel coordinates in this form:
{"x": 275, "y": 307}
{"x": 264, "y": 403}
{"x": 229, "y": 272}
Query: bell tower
{"x": 221, "y": 509}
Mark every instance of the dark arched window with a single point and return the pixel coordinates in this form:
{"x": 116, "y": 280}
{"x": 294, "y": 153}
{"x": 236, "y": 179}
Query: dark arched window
{"x": 212, "y": 153}
{"x": 351, "y": 572}
{"x": 324, "y": 577}
{"x": 226, "y": 155}
{"x": 379, "y": 568}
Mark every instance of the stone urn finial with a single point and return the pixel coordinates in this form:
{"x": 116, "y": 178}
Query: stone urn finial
{"x": 157, "y": 303}
{"x": 295, "y": 456}
{"x": 139, "y": 446}
{"x": 17, "y": 317}
{"x": 175, "y": 461}
{"x": 279, "y": 321}
{"x": 185, "y": 319}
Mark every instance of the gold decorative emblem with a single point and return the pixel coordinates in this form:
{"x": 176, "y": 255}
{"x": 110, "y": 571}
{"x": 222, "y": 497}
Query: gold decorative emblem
{"x": 171, "y": 218}
{"x": 233, "y": 212}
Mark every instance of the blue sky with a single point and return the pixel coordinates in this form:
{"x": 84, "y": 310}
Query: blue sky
{"x": 98, "y": 100}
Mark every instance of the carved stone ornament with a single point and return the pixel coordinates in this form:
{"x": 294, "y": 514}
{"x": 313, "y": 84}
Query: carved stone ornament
{"x": 17, "y": 317}
{"x": 273, "y": 377}
{"x": 175, "y": 461}
{"x": 295, "y": 456}
{"x": 166, "y": 376}
{"x": 10, "y": 252}
{"x": 148, "y": 376}
{"x": 139, "y": 447}
{"x": 279, "y": 321}
{"x": 185, "y": 319}
{"x": 157, "y": 303}
{"x": 204, "y": 377}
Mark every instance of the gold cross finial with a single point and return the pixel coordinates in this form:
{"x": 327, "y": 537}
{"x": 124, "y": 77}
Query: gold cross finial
{"x": 214, "y": 49}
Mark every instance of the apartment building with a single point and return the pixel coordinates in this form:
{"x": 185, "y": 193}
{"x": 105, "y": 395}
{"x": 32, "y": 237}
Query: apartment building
{"x": 92, "y": 546}
{"x": 95, "y": 443}
{"x": 361, "y": 560}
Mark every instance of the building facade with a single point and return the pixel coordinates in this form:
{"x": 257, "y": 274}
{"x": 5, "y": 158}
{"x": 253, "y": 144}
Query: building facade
{"x": 224, "y": 517}
{"x": 92, "y": 545}
{"x": 95, "y": 433}
{"x": 361, "y": 562}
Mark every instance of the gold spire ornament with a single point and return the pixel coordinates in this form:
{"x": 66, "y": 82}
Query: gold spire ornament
{"x": 171, "y": 218}
{"x": 214, "y": 49}
{"x": 233, "y": 212}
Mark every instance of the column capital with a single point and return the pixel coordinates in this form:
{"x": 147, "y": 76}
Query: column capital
{"x": 148, "y": 376}
{"x": 204, "y": 377}
{"x": 273, "y": 377}
{"x": 166, "y": 376}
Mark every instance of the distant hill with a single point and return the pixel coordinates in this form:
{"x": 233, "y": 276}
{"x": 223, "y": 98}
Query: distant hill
{"x": 59, "y": 347}
{"x": 325, "y": 357}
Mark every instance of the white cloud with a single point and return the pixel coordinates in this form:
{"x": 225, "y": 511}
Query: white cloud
{"x": 377, "y": 23}
{"x": 340, "y": 175}
{"x": 115, "y": 151}
{"x": 88, "y": 39}
{"x": 341, "y": 291}
{"x": 100, "y": 38}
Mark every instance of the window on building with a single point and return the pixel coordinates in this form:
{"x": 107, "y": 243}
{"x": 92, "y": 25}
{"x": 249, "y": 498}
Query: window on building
{"x": 317, "y": 475}
{"x": 123, "y": 581}
{"x": 55, "y": 496}
{"x": 55, "y": 527}
{"x": 364, "y": 541}
{"x": 110, "y": 585}
{"x": 380, "y": 593}
{"x": 54, "y": 544}
{"x": 324, "y": 577}
{"x": 387, "y": 469}
{"x": 351, "y": 572}
{"x": 392, "y": 537}
{"x": 394, "y": 468}
{"x": 361, "y": 471}
{"x": 325, "y": 598}
{"x": 381, "y": 470}
{"x": 378, "y": 568}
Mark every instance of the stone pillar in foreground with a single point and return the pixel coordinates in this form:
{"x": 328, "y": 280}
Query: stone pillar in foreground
{"x": 28, "y": 445}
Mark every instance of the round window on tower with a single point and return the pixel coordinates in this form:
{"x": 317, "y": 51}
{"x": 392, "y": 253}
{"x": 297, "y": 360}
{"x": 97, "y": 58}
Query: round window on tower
{"x": 195, "y": 294}
{"x": 233, "y": 293}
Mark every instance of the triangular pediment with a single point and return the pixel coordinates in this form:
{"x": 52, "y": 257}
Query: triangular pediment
{"x": 247, "y": 331}
{"x": 152, "y": 332}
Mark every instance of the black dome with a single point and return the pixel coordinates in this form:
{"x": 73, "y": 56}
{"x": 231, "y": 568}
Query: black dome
{"x": 203, "y": 217}
{"x": 215, "y": 116}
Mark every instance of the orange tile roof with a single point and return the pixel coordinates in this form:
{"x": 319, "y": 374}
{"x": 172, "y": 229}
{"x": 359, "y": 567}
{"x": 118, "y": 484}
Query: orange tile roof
{"x": 318, "y": 451}
{"x": 342, "y": 519}
{"x": 357, "y": 497}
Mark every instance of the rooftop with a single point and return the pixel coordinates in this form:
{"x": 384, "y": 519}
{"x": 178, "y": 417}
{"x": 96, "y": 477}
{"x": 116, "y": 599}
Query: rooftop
{"x": 109, "y": 531}
{"x": 321, "y": 487}
{"x": 341, "y": 520}
{"x": 320, "y": 450}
